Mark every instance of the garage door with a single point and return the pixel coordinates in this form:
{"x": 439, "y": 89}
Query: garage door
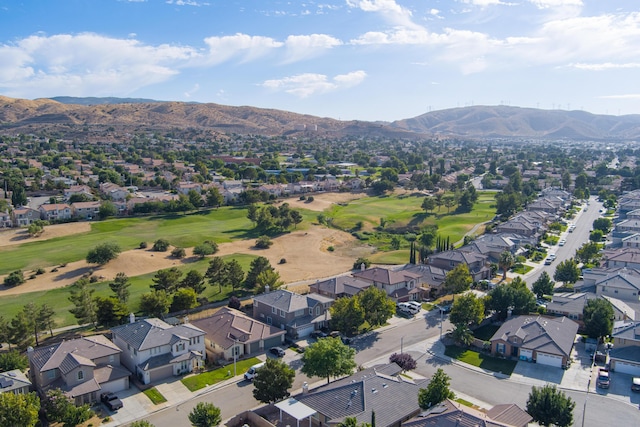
{"x": 626, "y": 368}
{"x": 549, "y": 359}
{"x": 161, "y": 373}
{"x": 273, "y": 342}
{"x": 305, "y": 331}
{"x": 115, "y": 386}
{"x": 526, "y": 354}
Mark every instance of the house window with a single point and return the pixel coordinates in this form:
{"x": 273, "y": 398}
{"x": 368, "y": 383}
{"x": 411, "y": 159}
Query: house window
{"x": 274, "y": 310}
{"x": 111, "y": 358}
{"x": 255, "y": 303}
{"x": 269, "y": 320}
{"x": 317, "y": 310}
{"x": 281, "y": 313}
{"x": 51, "y": 374}
{"x": 500, "y": 348}
{"x": 615, "y": 292}
{"x": 80, "y": 375}
{"x": 310, "y": 311}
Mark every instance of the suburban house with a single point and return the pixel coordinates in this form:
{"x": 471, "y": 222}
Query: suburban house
{"x": 622, "y": 257}
{"x": 381, "y": 389}
{"x": 23, "y": 217}
{"x": 431, "y": 278}
{"x": 632, "y": 241}
{"x": 86, "y": 210}
{"x": 569, "y": 304}
{"x": 622, "y": 284}
{"x": 82, "y": 368}
{"x": 5, "y": 219}
{"x": 15, "y": 382}
{"x": 448, "y": 260}
{"x": 154, "y": 350}
{"x": 545, "y": 340}
{"x": 624, "y": 310}
{"x": 229, "y": 331}
{"x": 299, "y": 315}
{"x": 400, "y": 285}
{"x": 77, "y": 189}
{"x": 55, "y": 212}
{"x": 452, "y": 413}
{"x": 624, "y": 357}
{"x": 113, "y": 191}
{"x": 339, "y": 287}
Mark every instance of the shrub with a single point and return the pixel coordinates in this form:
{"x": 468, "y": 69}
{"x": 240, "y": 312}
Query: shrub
{"x": 161, "y": 245}
{"x": 310, "y": 199}
{"x": 14, "y": 279}
{"x": 143, "y": 245}
{"x": 178, "y": 253}
{"x": 283, "y": 261}
{"x": 206, "y": 248}
{"x": 331, "y": 249}
{"x": 40, "y": 270}
{"x": 93, "y": 279}
{"x": 263, "y": 242}
{"x": 303, "y": 197}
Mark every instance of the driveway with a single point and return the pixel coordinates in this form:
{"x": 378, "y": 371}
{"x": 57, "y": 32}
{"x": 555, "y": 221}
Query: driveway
{"x": 135, "y": 404}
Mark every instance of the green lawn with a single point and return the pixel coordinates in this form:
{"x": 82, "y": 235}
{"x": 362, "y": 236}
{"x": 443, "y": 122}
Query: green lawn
{"x": 155, "y": 396}
{"x": 485, "y": 332}
{"x": 221, "y": 225}
{"x": 523, "y": 269}
{"x": 198, "y": 381}
{"x": 481, "y": 360}
{"x": 58, "y": 298}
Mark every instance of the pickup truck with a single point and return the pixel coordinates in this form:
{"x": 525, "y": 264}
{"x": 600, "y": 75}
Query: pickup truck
{"x": 603, "y": 378}
{"x": 111, "y": 401}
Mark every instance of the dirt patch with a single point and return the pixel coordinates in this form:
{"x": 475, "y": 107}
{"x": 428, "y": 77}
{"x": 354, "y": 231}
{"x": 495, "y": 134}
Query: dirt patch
{"x": 323, "y": 201}
{"x": 305, "y": 253}
{"x": 17, "y": 236}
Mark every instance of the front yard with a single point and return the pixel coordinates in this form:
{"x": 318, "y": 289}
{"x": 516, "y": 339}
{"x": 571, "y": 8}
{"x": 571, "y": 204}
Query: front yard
{"x": 480, "y": 360}
{"x": 198, "y": 381}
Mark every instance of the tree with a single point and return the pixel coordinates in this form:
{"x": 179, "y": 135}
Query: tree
{"x": 214, "y": 198}
{"x": 110, "y": 311}
{"x": 347, "y": 315}
{"x": 428, "y": 204}
{"x": 273, "y": 382}
{"x": 45, "y": 317}
{"x": 35, "y": 229}
{"x": 436, "y": 391}
{"x": 21, "y": 331}
{"x": 567, "y": 271}
{"x": 602, "y": 224}
{"x": 13, "y": 359}
{"x": 234, "y": 273}
{"x": 588, "y": 253}
{"x": 457, "y": 280}
{"x": 19, "y": 410}
{"x": 404, "y": 360}
{"x": 467, "y": 310}
{"x": 107, "y": 209}
{"x": 120, "y": 287}
{"x": 14, "y": 279}
{"x": 31, "y": 312}
{"x": 596, "y": 235}
{"x": 462, "y": 334}
{"x": 598, "y": 318}
{"x": 328, "y": 357}
{"x": 270, "y": 278}
{"x": 234, "y": 302}
{"x": 263, "y": 242}
{"x": 377, "y": 306}
{"x": 258, "y": 265}
{"x": 353, "y": 422}
{"x": 206, "y": 248}
{"x": 178, "y": 253}
{"x": 505, "y": 262}
{"x": 184, "y": 300}
{"x": 543, "y": 286}
{"x": 155, "y": 304}
{"x": 166, "y": 280}
{"x": 19, "y": 196}
{"x": 193, "y": 280}
{"x": 296, "y": 217}
{"x": 548, "y": 405}
{"x": 216, "y": 272}
{"x": 205, "y": 415}
{"x": 82, "y": 298}
{"x": 59, "y": 408}
{"x": 103, "y": 253}
{"x": 161, "y": 245}
{"x": 514, "y": 296}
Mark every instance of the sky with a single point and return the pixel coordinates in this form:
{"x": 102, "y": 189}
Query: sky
{"x": 346, "y": 59}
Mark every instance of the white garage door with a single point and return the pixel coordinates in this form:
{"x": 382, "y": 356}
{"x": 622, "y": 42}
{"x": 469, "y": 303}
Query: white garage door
{"x": 626, "y": 368}
{"x": 115, "y": 386}
{"x": 305, "y": 331}
{"x": 549, "y": 359}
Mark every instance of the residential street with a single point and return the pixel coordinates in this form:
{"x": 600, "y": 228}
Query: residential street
{"x": 418, "y": 336}
{"x": 583, "y": 222}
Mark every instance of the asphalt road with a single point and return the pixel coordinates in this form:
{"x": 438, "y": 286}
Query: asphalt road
{"x": 583, "y": 222}
{"x": 235, "y": 398}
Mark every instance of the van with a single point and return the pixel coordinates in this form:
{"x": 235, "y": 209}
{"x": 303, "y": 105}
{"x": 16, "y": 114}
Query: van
{"x": 251, "y": 372}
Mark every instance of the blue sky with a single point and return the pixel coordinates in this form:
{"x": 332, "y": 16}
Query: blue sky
{"x": 346, "y": 59}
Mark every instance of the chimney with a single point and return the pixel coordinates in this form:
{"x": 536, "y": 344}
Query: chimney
{"x": 132, "y": 318}
{"x": 305, "y": 387}
{"x": 363, "y": 267}
{"x": 266, "y": 289}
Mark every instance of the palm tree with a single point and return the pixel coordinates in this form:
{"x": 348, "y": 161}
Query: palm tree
{"x": 505, "y": 262}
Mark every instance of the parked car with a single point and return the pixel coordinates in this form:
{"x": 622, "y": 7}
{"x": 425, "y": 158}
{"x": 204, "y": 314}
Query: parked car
{"x": 603, "y": 378}
{"x": 562, "y": 242}
{"x": 635, "y": 384}
{"x": 318, "y": 334}
{"x": 253, "y": 371}
{"x": 111, "y": 401}
{"x": 415, "y": 304}
{"x": 277, "y": 351}
{"x": 337, "y": 334}
{"x": 408, "y": 308}
{"x": 445, "y": 309}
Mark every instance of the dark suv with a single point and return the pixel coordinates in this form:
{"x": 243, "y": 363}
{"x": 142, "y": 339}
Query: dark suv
{"x": 111, "y": 401}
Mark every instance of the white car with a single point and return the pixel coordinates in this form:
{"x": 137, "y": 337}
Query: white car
{"x": 552, "y": 257}
{"x": 562, "y": 242}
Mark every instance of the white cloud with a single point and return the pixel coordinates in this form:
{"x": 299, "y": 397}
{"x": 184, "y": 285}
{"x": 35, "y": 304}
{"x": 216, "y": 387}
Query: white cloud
{"x": 604, "y": 66}
{"x": 193, "y": 90}
{"x": 483, "y": 3}
{"x": 222, "y": 49}
{"x": 187, "y": 3}
{"x": 625, "y": 96}
{"x": 308, "y": 46}
{"x": 391, "y": 10}
{"x": 551, "y": 4}
{"x": 307, "y": 84}
{"x": 86, "y": 64}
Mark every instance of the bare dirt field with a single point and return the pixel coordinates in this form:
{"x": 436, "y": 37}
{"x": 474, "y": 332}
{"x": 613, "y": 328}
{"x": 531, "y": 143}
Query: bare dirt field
{"x": 306, "y": 252}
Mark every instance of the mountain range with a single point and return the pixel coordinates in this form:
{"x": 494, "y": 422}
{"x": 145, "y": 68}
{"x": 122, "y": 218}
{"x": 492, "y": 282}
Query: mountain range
{"x": 475, "y": 122}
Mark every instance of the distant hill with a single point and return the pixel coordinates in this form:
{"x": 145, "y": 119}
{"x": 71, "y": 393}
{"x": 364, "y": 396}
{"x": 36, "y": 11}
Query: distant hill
{"x": 133, "y": 114}
{"x": 505, "y": 121}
